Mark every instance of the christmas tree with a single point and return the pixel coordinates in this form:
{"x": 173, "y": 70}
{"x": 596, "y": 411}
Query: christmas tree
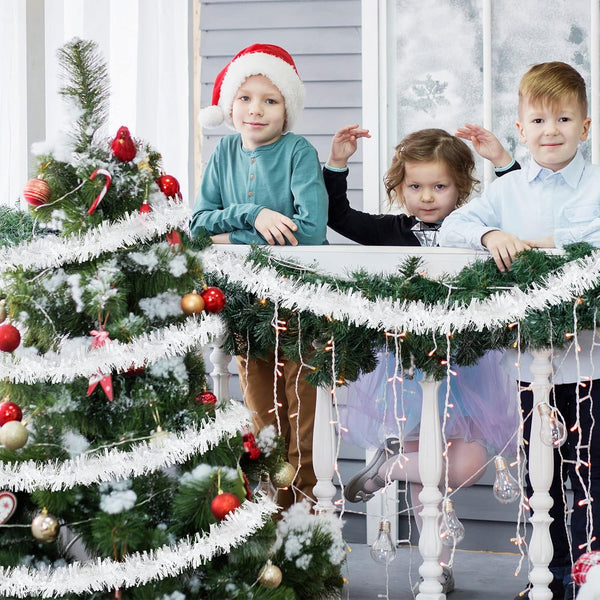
{"x": 120, "y": 474}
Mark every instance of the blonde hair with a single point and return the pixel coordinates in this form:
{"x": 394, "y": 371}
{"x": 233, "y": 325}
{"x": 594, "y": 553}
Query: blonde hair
{"x": 550, "y": 83}
{"x": 431, "y": 145}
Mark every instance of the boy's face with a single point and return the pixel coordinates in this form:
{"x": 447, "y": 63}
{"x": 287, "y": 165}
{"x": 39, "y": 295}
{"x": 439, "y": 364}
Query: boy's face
{"x": 258, "y": 112}
{"x": 552, "y": 134}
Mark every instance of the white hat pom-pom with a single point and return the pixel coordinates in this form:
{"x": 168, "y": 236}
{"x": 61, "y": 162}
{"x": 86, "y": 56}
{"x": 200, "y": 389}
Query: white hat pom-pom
{"x": 590, "y": 590}
{"x": 211, "y": 116}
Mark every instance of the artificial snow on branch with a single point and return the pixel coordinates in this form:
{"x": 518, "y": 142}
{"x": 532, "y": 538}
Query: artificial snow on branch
{"x": 572, "y": 280}
{"x": 139, "y": 568}
{"x": 111, "y": 464}
{"x": 52, "y": 251}
{"x": 62, "y": 367}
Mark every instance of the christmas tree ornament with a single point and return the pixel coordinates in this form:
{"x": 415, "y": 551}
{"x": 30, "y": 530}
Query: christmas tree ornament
{"x": 144, "y": 165}
{"x": 283, "y": 475}
{"x": 583, "y": 564}
{"x": 506, "y": 489}
{"x": 169, "y": 186}
{"x": 108, "y": 179}
{"x": 553, "y": 431}
{"x": 44, "y": 527}
{"x": 250, "y": 446}
{"x": 8, "y": 505}
{"x": 145, "y": 208}
{"x": 13, "y": 435}
{"x": 2, "y": 311}
{"x": 265, "y": 487}
{"x": 223, "y": 504}
{"x": 10, "y": 338}
{"x": 192, "y": 303}
{"x": 383, "y": 550}
{"x": 174, "y": 239}
{"x": 123, "y": 146}
{"x": 37, "y": 192}
{"x": 270, "y": 575}
{"x": 452, "y": 531}
{"x": 214, "y": 299}
{"x": 9, "y": 411}
{"x": 100, "y": 337}
{"x": 205, "y": 397}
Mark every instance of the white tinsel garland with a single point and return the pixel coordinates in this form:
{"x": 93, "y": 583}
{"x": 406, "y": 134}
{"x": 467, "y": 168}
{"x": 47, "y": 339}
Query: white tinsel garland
{"x": 139, "y": 568}
{"x": 111, "y": 464}
{"x": 501, "y": 308}
{"x": 146, "y": 349}
{"x": 52, "y": 251}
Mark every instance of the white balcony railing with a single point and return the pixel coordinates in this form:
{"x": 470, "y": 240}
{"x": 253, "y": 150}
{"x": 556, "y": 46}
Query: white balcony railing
{"x": 339, "y": 260}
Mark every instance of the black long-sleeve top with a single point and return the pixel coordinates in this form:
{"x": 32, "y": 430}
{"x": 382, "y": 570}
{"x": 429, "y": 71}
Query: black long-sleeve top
{"x": 365, "y": 228}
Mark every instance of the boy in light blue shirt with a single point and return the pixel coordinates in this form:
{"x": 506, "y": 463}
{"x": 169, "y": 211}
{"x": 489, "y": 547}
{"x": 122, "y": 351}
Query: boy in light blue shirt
{"x": 553, "y": 201}
{"x": 264, "y": 185}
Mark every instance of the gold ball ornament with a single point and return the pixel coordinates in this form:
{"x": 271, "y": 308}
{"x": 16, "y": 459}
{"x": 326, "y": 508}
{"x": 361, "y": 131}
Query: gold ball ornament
{"x": 192, "y": 304}
{"x": 283, "y": 475}
{"x": 44, "y": 527}
{"x": 13, "y": 435}
{"x": 270, "y": 575}
{"x": 2, "y": 311}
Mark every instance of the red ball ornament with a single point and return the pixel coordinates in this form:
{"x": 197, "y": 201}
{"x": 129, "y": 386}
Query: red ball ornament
{"x": 583, "y": 564}
{"x": 9, "y": 411}
{"x": 223, "y": 504}
{"x": 10, "y": 338}
{"x": 123, "y": 147}
{"x": 214, "y": 299}
{"x": 206, "y": 398}
{"x": 37, "y": 191}
{"x": 169, "y": 186}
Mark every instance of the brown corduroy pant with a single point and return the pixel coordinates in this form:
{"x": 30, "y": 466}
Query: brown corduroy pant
{"x": 296, "y": 414}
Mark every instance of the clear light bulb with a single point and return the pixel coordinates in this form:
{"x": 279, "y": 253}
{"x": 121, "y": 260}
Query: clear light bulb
{"x": 265, "y": 487}
{"x": 553, "y": 431}
{"x": 383, "y": 549}
{"x": 452, "y": 531}
{"x": 506, "y": 489}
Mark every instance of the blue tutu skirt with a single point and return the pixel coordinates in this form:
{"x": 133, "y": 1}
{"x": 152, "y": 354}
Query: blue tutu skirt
{"x": 482, "y": 406}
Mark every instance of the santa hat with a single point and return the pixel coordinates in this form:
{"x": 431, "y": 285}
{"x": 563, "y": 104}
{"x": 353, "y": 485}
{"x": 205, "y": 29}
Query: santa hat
{"x": 259, "y": 59}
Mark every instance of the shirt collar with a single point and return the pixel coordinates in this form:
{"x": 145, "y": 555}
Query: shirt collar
{"x": 571, "y": 174}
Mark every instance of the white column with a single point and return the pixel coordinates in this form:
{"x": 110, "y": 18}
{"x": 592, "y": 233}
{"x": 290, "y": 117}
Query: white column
{"x": 430, "y": 470}
{"x": 220, "y": 374}
{"x": 324, "y": 450}
{"x": 541, "y": 465}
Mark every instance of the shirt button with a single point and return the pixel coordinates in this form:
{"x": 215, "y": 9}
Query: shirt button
{"x": 251, "y": 176}
{"x": 251, "y": 160}
{"x": 251, "y": 194}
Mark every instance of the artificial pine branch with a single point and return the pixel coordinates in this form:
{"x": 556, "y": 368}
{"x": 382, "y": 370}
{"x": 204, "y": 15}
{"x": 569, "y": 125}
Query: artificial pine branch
{"x": 87, "y": 85}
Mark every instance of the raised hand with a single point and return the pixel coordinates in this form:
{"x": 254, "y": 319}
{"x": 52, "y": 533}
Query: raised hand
{"x": 486, "y": 144}
{"x": 344, "y": 144}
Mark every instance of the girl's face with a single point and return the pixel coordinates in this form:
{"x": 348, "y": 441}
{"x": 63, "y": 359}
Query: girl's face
{"x": 428, "y": 190}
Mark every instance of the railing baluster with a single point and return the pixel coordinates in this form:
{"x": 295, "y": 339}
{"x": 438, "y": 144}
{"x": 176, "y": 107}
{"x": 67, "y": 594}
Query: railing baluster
{"x": 541, "y": 464}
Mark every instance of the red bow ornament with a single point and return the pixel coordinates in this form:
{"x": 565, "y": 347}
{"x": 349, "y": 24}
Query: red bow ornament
{"x": 105, "y": 381}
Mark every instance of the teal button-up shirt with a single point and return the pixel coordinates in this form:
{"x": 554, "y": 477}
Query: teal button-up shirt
{"x": 284, "y": 176}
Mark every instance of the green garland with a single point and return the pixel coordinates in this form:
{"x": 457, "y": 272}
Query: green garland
{"x": 249, "y": 318}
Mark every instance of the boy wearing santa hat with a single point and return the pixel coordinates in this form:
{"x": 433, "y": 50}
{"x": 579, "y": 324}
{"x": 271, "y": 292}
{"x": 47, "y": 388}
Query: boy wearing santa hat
{"x": 264, "y": 185}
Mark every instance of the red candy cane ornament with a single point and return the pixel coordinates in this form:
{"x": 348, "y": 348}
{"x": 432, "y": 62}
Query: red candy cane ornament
{"x": 104, "y": 189}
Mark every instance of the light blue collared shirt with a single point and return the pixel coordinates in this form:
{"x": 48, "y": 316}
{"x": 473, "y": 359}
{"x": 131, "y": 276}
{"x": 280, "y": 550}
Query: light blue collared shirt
{"x": 531, "y": 203}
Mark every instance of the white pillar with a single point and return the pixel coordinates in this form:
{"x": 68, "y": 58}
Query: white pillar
{"x": 541, "y": 466}
{"x": 220, "y": 374}
{"x": 430, "y": 470}
{"x": 324, "y": 450}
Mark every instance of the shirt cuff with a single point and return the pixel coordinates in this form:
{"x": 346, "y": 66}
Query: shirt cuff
{"x": 510, "y": 165}
{"x": 335, "y": 169}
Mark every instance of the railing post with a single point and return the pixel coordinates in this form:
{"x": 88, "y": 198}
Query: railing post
{"x": 220, "y": 374}
{"x": 430, "y": 470}
{"x": 324, "y": 450}
{"x": 541, "y": 466}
